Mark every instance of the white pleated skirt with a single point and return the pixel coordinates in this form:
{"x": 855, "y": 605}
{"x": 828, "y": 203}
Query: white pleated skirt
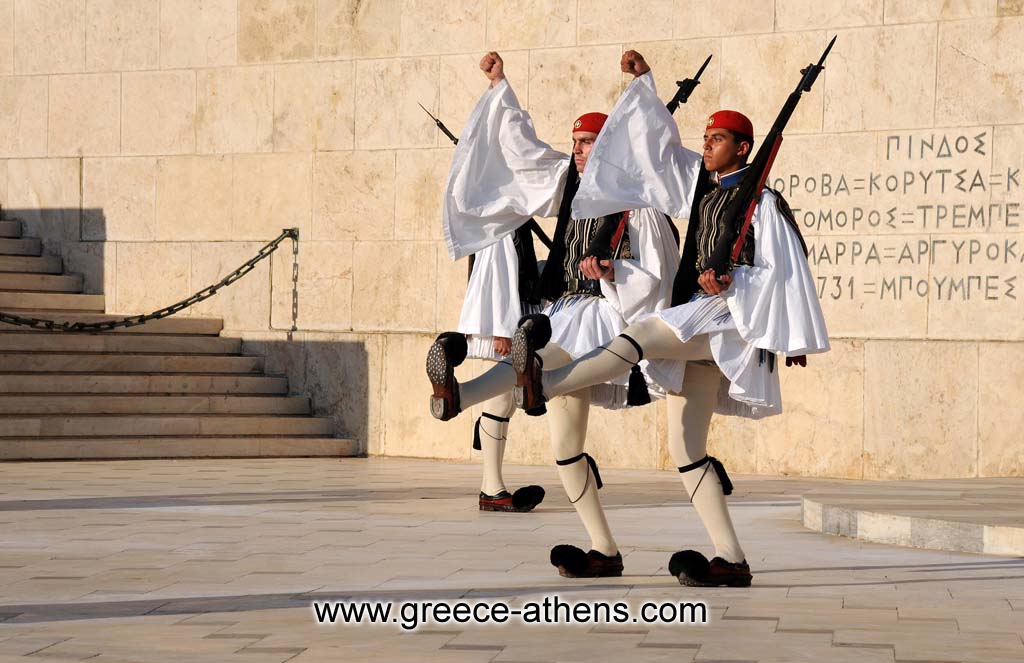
{"x": 580, "y": 323}
{"x": 482, "y": 347}
{"x": 750, "y": 386}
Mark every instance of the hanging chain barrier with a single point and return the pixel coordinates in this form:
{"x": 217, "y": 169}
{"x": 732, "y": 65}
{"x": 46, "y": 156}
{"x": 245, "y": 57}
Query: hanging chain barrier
{"x": 204, "y": 294}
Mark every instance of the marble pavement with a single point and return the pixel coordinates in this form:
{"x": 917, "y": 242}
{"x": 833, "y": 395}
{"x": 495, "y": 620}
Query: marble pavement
{"x": 220, "y": 561}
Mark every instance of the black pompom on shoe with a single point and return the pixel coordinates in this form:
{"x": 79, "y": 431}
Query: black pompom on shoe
{"x": 570, "y": 560}
{"x": 527, "y": 498}
{"x": 540, "y": 334}
{"x": 456, "y": 347}
{"x": 689, "y": 563}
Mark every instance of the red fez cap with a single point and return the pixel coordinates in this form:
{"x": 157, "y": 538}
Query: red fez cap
{"x": 733, "y": 121}
{"x": 589, "y": 122}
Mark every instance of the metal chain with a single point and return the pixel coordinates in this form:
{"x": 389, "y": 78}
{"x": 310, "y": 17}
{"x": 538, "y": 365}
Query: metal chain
{"x": 295, "y": 284}
{"x": 205, "y": 293}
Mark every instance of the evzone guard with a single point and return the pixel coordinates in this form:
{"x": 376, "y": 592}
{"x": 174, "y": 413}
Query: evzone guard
{"x": 740, "y": 299}
{"x": 497, "y": 296}
{"x": 602, "y": 274}
{"x": 502, "y": 288}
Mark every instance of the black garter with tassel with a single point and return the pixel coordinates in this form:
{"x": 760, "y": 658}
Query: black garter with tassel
{"x": 593, "y": 466}
{"x": 637, "y": 394}
{"x": 719, "y": 470}
{"x": 593, "y": 470}
{"x": 476, "y": 429}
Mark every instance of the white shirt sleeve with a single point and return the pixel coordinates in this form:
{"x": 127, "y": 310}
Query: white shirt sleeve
{"x": 501, "y": 175}
{"x": 774, "y": 302}
{"x": 491, "y": 306}
{"x": 644, "y": 284}
{"x": 638, "y": 160}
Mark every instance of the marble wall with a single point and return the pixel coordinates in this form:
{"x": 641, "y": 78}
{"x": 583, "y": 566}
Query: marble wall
{"x": 156, "y": 144}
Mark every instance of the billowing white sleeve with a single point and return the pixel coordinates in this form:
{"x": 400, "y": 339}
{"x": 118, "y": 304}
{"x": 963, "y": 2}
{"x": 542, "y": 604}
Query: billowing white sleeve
{"x": 638, "y": 160}
{"x": 491, "y": 307}
{"x": 774, "y": 302}
{"x": 644, "y": 284}
{"x": 501, "y": 175}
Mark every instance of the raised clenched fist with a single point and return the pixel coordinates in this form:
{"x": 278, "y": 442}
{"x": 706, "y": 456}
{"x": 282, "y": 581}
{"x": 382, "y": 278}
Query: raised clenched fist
{"x": 634, "y": 63}
{"x": 493, "y": 67}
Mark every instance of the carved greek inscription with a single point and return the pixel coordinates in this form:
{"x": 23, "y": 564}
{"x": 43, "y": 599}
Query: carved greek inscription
{"x": 934, "y": 220}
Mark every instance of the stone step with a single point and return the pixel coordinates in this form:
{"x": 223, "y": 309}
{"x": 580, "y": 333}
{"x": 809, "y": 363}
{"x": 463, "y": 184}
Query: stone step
{"x": 50, "y": 383}
{"x": 71, "y": 283}
{"x": 24, "y": 246}
{"x": 115, "y": 404}
{"x": 33, "y": 341}
{"x": 10, "y": 228}
{"x": 172, "y": 325}
{"x": 50, "y": 301}
{"x": 21, "y": 362}
{"x": 32, "y": 264}
{"x": 162, "y": 426}
{"x": 176, "y": 447}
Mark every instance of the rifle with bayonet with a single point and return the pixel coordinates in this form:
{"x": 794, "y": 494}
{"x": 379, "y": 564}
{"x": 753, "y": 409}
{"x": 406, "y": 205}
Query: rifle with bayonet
{"x": 440, "y": 125}
{"x": 738, "y": 215}
{"x": 532, "y": 224}
{"x": 615, "y": 227}
{"x": 686, "y": 88}
{"x": 685, "y": 282}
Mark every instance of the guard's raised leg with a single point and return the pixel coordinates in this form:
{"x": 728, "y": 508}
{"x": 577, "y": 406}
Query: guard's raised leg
{"x": 450, "y": 397}
{"x": 648, "y": 339}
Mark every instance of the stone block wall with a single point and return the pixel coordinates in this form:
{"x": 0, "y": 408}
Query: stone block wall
{"x": 156, "y": 144}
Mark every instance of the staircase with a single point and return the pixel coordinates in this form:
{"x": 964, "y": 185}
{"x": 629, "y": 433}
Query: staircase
{"x": 169, "y": 388}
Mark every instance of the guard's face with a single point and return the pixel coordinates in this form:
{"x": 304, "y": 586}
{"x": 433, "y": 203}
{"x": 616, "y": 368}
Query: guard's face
{"x": 722, "y": 154}
{"x": 582, "y": 142}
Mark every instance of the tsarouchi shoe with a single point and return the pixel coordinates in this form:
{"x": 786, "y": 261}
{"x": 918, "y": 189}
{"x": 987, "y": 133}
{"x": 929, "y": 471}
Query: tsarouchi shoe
{"x": 572, "y": 562}
{"x": 533, "y": 333}
{"x": 694, "y": 570}
{"x": 448, "y": 351}
{"x": 523, "y": 500}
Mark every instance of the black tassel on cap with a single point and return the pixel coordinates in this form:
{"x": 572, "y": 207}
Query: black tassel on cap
{"x": 637, "y": 394}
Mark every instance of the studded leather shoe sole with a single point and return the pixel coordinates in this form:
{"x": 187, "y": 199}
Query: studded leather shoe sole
{"x": 444, "y": 404}
{"x": 527, "y": 393}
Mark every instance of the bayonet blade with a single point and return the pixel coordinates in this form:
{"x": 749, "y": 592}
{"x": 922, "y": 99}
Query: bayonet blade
{"x": 824, "y": 55}
{"x": 686, "y": 88}
{"x": 702, "y": 68}
{"x": 427, "y": 112}
{"x": 440, "y": 125}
